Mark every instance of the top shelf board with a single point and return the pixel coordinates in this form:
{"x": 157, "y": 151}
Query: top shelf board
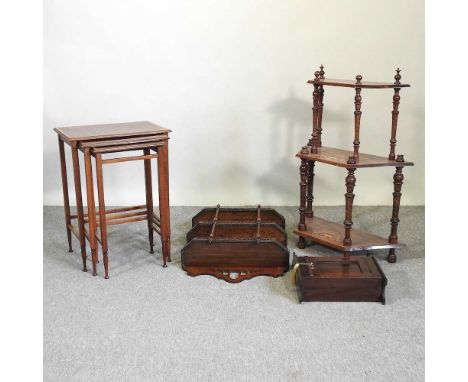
{"x": 353, "y": 84}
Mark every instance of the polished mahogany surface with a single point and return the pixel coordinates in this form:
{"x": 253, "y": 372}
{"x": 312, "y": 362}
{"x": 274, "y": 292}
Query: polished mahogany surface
{"x": 113, "y": 130}
{"x": 354, "y": 84}
{"x": 332, "y": 235}
{"x": 339, "y": 157}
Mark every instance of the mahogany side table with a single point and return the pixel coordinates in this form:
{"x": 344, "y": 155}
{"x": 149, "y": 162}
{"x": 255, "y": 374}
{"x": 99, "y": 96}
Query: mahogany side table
{"x": 96, "y": 140}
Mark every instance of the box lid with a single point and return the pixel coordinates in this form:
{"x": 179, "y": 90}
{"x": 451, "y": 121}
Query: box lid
{"x": 339, "y": 267}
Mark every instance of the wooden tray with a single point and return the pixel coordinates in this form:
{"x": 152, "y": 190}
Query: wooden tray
{"x": 238, "y": 230}
{"x": 337, "y": 278}
{"x": 239, "y": 214}
{"x": 236, "y": 244}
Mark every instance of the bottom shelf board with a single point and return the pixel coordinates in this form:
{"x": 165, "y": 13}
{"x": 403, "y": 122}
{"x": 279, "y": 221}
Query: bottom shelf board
{"x": 331, "y": 235}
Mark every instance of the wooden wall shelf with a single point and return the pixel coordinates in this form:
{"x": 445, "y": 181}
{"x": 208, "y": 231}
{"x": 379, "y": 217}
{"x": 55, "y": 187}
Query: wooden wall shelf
{"x": 343, "y": 237}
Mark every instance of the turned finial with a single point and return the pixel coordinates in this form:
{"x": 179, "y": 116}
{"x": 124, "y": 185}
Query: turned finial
{"x": 358, "y": 79}
{"x": 322, "y": 72}
{"x": 397, "y": 76}
{"x": 351, "y": 160}
{"x": 400, "y": 158}
{"x": 317, "y": 75}
{"x": 304, "y": 150}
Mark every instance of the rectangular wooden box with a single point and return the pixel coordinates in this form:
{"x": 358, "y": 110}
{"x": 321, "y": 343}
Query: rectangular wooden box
{"x": 356, "y": 278}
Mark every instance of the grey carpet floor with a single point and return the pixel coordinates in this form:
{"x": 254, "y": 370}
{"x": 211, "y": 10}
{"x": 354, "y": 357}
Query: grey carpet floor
{"x": 147, "y": 323}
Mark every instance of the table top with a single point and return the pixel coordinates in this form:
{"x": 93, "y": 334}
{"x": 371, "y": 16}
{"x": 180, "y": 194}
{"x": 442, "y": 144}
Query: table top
{"x": 113, "y": 130}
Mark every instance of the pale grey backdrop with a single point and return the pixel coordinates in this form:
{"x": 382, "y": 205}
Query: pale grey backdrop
{"x": 230, "y": 79}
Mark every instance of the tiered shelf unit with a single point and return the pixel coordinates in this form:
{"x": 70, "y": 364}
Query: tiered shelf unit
{"x": 343, "y": 237}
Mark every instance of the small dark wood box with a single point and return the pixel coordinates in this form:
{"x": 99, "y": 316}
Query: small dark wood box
{"x": 357, "y": 278}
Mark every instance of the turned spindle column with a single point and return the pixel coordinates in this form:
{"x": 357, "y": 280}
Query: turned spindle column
{"x": 320, "y": 107}
{"x": 357, "y": 116}
{"x": 313, "y": 142}
{"x": 310, "y": 188}
{"x": 350, "y": 183}
{"x": 302, "y": 206}
{"x": 397, "y": 183}
{"x": 395, "y": 112}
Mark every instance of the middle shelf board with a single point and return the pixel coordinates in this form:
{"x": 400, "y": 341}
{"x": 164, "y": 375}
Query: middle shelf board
{"x": 339, "y": 157}
{"x": 331, "y": 235}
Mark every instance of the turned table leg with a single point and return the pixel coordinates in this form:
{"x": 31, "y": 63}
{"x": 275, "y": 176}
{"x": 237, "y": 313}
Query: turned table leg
{"x": 397, "y": 183}
{"x": 102, "y": 213}
{"x": 310, "y": 188}
{"x": 349, "y": 196}
{"x": 79, "y": 203}
{"x": 91, "y": 210}
{"x": 149, "y": 199}
{"x": 302, "y": 206}
{"x": 66, "y": 200}
{"x": 163, "y": 187}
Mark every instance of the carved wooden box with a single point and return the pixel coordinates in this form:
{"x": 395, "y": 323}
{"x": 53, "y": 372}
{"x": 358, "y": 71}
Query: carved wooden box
{"x": 235, "y": 244}
{"x": 337, "y": 278}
